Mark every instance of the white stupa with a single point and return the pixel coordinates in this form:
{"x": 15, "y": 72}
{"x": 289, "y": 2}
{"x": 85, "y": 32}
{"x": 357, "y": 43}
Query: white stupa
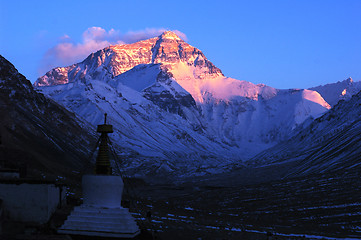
{"x": 101, "y": 213}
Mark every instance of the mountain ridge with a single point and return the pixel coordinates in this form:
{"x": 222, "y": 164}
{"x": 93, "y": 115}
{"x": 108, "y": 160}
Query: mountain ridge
{"x": 342, "y": 90}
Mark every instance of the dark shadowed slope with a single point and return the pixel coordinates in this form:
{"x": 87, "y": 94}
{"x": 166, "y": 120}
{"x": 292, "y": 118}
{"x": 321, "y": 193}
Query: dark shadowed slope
{"x": 38, "y": 132}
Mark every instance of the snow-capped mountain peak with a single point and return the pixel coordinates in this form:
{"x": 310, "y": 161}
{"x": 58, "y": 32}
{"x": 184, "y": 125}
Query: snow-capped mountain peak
{"x": 170, "y": 102}
{"x": 167, "y": 49}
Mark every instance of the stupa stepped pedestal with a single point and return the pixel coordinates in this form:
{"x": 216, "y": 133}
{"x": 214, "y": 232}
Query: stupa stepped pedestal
{"x": 103, "y": 222}
{"x": 101, "y": 213}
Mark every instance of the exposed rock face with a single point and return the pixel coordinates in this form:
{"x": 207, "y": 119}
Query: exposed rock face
{"x": 49, "y": 137}
{"x": 168, "y": 98}
{"x": 55, "y": 76}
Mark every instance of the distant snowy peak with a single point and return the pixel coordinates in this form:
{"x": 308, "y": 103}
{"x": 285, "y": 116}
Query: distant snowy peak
{"x": 335, "y": 92}
{"x": 167, "y": 49}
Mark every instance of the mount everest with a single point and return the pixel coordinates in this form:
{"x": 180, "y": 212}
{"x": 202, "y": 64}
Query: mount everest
{"x": 173, "y": 110}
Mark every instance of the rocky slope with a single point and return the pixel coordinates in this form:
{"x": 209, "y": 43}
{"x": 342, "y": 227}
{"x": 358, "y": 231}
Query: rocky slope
{"x": 38, "y": 132}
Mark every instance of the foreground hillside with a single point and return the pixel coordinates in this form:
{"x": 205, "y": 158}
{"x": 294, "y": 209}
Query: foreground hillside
{"x": 37, "y": 132}
{"x": 317, "y": 206}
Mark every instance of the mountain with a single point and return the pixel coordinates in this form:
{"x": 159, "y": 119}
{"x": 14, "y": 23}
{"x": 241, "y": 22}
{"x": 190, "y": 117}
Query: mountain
{"x": 335, "y": 92}
{"x": 330, "y": 143}
{"x": 115, "y": 60}
{"x": 174, "y": 109}
{"x": 38, "y": 132}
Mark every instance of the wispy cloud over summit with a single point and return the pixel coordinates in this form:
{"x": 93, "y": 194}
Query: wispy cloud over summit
{"x": 67, "y": 52}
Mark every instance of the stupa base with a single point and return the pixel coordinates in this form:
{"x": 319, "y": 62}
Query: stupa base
{"x": 100, "y": 222}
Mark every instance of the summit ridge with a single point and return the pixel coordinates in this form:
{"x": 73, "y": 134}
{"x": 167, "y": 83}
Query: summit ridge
{"x": 170, "y": 35}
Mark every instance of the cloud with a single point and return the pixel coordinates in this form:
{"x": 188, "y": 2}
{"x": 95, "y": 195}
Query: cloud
{"x": 68, "y": 52}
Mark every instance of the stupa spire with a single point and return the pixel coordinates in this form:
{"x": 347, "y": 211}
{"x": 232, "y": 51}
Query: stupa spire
{"x": 102, "y": 165}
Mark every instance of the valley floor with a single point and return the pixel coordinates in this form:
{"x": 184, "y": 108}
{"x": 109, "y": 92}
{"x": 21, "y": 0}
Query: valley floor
{"x": 325, "y": 206}
{"x": 317, "y": 207}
